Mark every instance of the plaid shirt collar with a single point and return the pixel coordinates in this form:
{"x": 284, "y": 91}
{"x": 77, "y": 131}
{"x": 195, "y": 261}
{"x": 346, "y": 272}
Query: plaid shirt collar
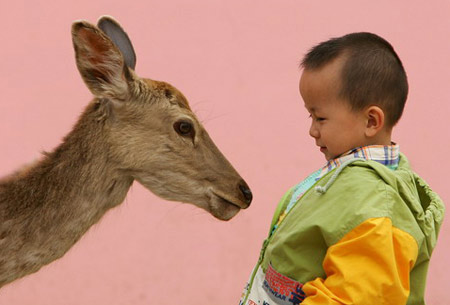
{"x": 388, "y": 155}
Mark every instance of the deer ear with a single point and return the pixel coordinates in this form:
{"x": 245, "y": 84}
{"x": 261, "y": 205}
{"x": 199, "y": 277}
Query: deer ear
{"x": 114, "y": 31}
{"x": 100, "y": 62}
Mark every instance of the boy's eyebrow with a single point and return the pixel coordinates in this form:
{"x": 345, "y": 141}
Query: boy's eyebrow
{"x": 312, "y": 109}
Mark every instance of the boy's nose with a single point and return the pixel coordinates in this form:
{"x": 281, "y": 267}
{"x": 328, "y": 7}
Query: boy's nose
{"x": 313, "y": 132}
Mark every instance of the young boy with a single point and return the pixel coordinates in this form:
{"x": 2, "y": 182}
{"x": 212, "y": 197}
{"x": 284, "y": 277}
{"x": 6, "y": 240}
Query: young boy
{"x": 361, "y": 229}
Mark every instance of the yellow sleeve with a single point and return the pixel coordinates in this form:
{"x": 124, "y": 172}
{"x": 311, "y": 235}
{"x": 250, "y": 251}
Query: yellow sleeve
{"x": 369, "y": 265}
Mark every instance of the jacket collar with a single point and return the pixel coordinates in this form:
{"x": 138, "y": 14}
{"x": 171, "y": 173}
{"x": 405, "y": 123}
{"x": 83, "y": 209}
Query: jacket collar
{"x": 388, "y": 155}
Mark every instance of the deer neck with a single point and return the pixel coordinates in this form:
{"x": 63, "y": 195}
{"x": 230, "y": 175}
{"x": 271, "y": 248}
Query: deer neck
{"x": 46, "y": 208}
{"x": 79, "y": 175}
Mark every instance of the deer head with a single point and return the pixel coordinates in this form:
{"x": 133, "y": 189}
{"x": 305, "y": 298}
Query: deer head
{"x": 153, "y": 135}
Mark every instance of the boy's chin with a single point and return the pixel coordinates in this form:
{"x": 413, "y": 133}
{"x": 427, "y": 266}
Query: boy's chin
{"x": 329, "y": 156}
{"x": 326, "y": 153}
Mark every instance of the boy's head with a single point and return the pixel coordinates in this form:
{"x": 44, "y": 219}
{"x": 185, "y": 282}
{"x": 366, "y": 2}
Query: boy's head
{"x": 355, "y": 89}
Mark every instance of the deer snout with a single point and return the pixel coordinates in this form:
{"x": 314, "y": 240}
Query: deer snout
{"x": 248, "y": 196}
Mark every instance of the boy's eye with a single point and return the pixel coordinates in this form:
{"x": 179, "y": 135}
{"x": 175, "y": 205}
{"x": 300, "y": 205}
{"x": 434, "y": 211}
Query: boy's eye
{"x": 317, "y": 119}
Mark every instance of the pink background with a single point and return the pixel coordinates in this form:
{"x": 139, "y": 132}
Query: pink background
{"x": 236, "y": 61}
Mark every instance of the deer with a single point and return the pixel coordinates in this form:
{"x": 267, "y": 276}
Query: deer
{"x": 134, "y": 129}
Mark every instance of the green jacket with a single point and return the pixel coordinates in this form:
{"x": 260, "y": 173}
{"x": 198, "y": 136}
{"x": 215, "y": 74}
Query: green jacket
{"x": 363, "y": 234}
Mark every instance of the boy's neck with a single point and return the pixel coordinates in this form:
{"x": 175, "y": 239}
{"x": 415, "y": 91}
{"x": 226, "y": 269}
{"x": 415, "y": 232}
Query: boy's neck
{"x": 382, "y": 138}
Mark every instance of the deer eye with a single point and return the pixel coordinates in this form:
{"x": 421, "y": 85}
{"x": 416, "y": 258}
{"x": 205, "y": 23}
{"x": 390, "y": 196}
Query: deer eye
{"x": 184, "y": 128}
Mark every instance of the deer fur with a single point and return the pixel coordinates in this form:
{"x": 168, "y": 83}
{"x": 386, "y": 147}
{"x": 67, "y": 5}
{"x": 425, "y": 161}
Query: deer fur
{"x": 134, "y": 129}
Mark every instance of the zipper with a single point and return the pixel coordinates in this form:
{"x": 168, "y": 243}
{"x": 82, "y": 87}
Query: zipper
{"x": 258, "y": 264}
{"x": 280, "y": 208}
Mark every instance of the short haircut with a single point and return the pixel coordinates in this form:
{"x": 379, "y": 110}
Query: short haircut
{"x": 372, "y": 74}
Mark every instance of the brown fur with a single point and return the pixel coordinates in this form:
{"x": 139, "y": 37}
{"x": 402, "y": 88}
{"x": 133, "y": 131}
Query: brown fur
{"x": 126, "y": 133}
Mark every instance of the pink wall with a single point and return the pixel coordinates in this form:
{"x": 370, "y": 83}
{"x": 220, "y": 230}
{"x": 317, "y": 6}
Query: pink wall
{"x": 236, "y": 61}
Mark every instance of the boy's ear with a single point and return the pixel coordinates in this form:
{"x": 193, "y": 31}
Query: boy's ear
{"x": 100, "y": 62}
{"x": 375, "y": 121}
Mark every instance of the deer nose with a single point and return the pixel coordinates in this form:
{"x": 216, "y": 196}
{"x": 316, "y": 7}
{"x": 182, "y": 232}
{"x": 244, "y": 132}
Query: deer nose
{"x": 246, "y": 192}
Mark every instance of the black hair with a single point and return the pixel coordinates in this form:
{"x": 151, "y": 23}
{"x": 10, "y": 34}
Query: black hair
{"x": 372, "y": 74}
